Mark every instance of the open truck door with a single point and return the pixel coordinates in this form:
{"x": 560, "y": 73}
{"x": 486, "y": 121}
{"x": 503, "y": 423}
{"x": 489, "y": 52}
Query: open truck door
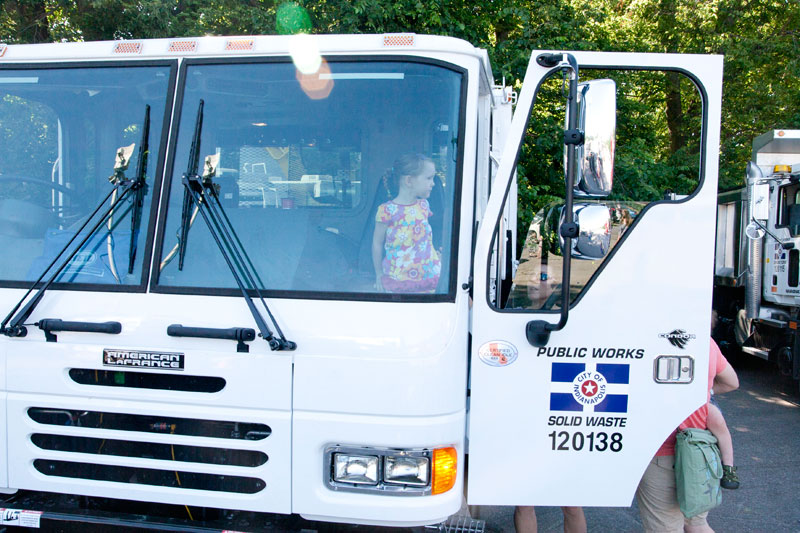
{"x": 570, "y": 402}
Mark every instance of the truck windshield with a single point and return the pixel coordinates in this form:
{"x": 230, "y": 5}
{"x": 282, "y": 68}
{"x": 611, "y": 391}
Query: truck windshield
{"x": 789, "y": 209}
{"x": 340, "y": 181}
{"x": 60, "y": 130}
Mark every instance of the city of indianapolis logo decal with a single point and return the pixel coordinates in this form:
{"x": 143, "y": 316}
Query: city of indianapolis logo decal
{"x": 589, "y": 387}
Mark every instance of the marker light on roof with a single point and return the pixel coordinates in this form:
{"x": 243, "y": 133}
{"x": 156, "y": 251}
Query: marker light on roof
{"x": 398, "y": 39}
{"x": 182, "y": 46}
{"x": 3, "y": 48}
{"x": 128, "y": 47}
{"x": 239, "y": 45}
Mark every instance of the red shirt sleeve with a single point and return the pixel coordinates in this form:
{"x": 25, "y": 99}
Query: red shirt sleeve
{"x": 717, "y": 358}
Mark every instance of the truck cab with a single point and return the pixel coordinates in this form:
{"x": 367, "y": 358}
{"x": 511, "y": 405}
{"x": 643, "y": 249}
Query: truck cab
{"x": 191, "y": 309}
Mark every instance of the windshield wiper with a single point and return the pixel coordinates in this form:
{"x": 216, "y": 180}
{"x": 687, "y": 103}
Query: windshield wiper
{"x": 197, "y": 189}
{"x": 16, "y": 327}
{"x": 191, "y": 170}
{"x": 139, "y": 189}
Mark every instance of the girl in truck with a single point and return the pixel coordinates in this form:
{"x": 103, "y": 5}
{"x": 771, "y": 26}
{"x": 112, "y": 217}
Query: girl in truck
{"x": 403, "y": 254}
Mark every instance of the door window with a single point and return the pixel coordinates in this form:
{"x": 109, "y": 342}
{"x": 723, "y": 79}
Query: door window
{"x": 659, "y": 122}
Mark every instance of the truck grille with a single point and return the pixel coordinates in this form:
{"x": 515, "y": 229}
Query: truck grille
{"x": 150, "y": 450}
{"x": 150, "y": 476}
{"x": 150, "y": 424}
{"x": 144, "y": 380}
{"x": 157, "y": 474}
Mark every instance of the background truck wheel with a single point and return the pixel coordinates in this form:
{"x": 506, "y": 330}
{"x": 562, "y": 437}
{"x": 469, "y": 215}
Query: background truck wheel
{"x": 784, "y": 358}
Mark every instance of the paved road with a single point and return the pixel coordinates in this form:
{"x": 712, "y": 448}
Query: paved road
{"x": 764, "y": 419}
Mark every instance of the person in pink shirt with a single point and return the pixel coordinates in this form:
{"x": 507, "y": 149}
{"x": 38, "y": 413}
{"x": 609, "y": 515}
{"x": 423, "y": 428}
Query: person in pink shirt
{"x": 657, "y": 493}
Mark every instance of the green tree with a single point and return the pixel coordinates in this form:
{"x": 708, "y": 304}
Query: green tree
{"x": 25, "y": 21}
{"x": 759, "y": 39}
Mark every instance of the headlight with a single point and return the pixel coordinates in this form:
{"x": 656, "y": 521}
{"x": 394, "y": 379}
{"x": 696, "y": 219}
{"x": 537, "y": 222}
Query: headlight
{"x": 397, "y": 471}
{"x": 361, "y": 469}
{"x": 406, "y": 470}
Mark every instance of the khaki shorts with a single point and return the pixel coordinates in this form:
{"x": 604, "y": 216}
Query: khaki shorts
{"x": 658, "y": 499}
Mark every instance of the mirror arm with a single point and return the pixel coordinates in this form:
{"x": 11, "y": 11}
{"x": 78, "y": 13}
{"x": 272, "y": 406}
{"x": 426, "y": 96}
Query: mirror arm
{"x": 786, "y": 245}
{"x": 538, "y": 331}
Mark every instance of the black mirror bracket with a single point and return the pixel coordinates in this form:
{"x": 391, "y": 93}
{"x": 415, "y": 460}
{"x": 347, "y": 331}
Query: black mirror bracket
{"x": 550, "y": 60}
{"x": 569, "y": 230}
{"x": 538, "y": 332}
{"x": 574, "y": 137}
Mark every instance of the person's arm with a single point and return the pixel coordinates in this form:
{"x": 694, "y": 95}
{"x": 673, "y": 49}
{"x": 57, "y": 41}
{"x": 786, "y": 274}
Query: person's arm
{"x": 378, "y": 239}
{"x": 726, "y": 381}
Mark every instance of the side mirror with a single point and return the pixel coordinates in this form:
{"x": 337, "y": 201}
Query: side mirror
{"x": 754, "y": 231}
{"x": 757, "y": 193}
{"x": 594, "y": 239}
{"x": 597, "y": 118}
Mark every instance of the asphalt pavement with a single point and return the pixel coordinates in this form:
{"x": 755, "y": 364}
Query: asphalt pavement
{"x": 763, "y": 416}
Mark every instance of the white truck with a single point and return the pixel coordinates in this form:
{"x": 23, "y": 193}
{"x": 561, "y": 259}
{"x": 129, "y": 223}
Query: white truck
{"x": 191, "y": 314}
{"x": 757, "y": 266}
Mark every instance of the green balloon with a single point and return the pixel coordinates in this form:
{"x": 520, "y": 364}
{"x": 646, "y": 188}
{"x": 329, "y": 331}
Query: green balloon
{"x": 292, "y": 18}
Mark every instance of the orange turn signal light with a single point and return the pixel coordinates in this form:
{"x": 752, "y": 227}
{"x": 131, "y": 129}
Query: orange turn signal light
{"x": 445, "y": 469}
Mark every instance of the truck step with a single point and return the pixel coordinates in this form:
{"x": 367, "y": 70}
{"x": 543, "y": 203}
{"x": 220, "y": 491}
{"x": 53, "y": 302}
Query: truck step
{"x": 459, "y": 524}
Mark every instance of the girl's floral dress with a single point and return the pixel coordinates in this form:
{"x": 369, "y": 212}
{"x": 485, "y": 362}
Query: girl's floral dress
{"x": 411, "y": 263}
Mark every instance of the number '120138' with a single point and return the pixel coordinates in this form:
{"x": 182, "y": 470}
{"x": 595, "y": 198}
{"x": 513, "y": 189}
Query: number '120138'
{"x": 594, "y": 441}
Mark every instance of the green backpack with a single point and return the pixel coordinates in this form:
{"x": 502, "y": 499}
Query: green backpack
{"x": 698, "y": 469}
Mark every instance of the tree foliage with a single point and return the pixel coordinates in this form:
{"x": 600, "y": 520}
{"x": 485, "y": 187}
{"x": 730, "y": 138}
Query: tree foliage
{"x": 759, "y": 39}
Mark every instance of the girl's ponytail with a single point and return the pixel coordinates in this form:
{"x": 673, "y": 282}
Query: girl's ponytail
{"x": 405, "y": 165}
{"x": 390, "y": 183}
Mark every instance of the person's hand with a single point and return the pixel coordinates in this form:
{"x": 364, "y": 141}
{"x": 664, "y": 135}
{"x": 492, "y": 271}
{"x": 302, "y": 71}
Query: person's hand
{"x": 378, "y": 284}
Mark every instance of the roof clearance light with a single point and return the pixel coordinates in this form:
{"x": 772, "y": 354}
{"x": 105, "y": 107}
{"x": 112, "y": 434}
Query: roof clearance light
{"x": 398, "y": 39}
{"x": 239, "y": 45}
{"x": 445, "y": 469}
{"x": 128, "y": 47}
{"x": 182, "y": 46}
{"x": 3, "y": 48}
{"x": 777, "y": 169}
